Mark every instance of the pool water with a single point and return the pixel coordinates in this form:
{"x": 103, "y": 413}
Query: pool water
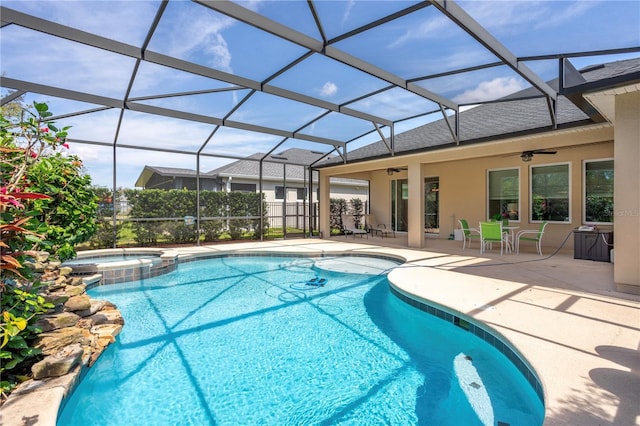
{"x": 246, "y": 341}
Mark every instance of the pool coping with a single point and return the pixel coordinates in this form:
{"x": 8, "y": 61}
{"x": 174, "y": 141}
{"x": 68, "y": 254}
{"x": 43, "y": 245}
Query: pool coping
{"x": 569, "y": 364}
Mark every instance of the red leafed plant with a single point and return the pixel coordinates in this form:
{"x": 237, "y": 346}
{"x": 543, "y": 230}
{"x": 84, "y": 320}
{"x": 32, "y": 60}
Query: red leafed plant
{"x": 25, "y": 144}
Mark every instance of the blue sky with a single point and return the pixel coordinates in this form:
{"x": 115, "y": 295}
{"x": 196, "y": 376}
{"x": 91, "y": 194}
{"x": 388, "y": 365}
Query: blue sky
{"x": 414, "y": 46}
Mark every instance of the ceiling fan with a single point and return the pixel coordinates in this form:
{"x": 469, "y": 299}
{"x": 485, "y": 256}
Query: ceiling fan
{"x": 528, "y": 155}
{"x": 392, "y": 170}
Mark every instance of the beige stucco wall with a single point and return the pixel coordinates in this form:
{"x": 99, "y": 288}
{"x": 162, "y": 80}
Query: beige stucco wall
{"x": 627, "y": 192}
{"x": 462, "y": 172}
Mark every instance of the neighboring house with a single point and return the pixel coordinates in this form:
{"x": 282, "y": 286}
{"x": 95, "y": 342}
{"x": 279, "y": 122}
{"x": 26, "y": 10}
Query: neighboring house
{"x": 283, "y": 179}
{"x": 155, "y": 177}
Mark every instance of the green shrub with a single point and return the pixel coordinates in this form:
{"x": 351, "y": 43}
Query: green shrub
{"x": 211, "y": 229}
{"x": 179, "y": 232}
{"x": 103, "y": 238}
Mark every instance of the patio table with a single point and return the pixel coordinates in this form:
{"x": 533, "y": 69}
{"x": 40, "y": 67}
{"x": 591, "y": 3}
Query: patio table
{"x": 510, "y": 236}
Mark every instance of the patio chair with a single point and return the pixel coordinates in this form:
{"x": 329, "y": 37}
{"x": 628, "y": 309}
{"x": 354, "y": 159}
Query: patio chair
{"x": 468, "y": 234}
{"x": 376, "y": 227}
{"x": 536, "y": 238}
{"x": 491, "y": 232}
{"x": 349, "y": 226}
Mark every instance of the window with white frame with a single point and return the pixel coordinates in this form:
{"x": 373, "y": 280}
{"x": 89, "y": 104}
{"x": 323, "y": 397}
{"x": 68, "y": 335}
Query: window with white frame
{"x": 550, "y": 197}
{"x": 281, "y": 191}
{"x": 504, "y": 193}
{"x": 598, "y": 191}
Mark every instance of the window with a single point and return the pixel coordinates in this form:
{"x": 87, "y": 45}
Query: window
{"x": 598, "y": 191}
{"x": 504, "y": 193}
{"x": 301, "y": 193}
{"x": 279, "y": 192}
{"x": 243, "y": 187}
{"x": 550, "y": 193}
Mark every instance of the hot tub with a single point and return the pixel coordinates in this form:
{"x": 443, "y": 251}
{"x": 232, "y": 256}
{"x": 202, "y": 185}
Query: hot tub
{"x": 111, "y": 266}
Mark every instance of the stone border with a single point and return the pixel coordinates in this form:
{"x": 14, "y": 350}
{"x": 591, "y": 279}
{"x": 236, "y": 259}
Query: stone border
{"x": 74, "y": 335}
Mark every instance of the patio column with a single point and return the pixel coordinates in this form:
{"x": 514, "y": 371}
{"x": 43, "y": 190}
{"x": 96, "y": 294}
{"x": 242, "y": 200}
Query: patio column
{"x": 626, "y": 223}
{"x": 415, "y": 234}
{"x": 325, "y": 204}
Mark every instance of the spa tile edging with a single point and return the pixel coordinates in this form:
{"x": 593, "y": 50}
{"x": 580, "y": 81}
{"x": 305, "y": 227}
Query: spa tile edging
{"x": 125, "y": 271}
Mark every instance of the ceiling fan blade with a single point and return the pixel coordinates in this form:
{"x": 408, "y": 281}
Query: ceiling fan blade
{"x": 543, "y": 151}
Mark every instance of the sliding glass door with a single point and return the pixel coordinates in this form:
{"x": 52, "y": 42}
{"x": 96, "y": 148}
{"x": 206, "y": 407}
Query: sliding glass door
{"x": 399, "y": 204}
{"x": 431, "y": 205}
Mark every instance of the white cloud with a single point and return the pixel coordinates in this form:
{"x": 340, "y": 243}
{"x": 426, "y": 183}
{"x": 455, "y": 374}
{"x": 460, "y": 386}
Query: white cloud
{"x": 489, "y": 90}
{"x": 432, "y": 28}
{"x": 569, "y": 14}
{"x": 329, "y": 89}
{"x": 127, "y": 21}
{"x": 515, "y": 17}
{"x": 202, "y": 34}
{"x": 347, "y": 13}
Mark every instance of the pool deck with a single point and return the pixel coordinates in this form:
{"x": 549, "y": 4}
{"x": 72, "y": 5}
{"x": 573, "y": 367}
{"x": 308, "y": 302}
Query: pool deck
{"x": 562, "y": 314}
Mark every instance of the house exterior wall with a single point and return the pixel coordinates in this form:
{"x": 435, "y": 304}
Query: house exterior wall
{"x": 463, "y": 178}
{"x": 346, "y": 192}
{"x": 464, "y": 192}
{"x": 627, "y": 192}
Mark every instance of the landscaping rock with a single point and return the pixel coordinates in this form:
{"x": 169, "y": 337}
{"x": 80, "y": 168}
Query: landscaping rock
{"x": 75, "y": 290}
{"x": 76, "y": 281}
{"x": 53, "y": 341}
{"x": 53, "y": 264}
{"x": 106, "y": 316}
{"x": 96, "y": 305}
{"x": 35, "y": 266}
{"x": 75, "y": 333}
{"x": 58, "y": 364}
{"x": 65, "y": 271}
{"x": 78, "y": 303}
{"x": 56, "y": 321}
{"x": 56, "y": 297}
{"x": 41, "y": 256}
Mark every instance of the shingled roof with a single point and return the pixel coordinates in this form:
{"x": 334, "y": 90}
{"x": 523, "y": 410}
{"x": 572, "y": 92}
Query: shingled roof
{"x": 272, "y": 167}
{"x": 517, "y": 114}
{"x": 249, "y": 168}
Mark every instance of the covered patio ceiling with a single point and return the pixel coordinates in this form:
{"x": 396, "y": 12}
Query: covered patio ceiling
{"x": 228, "y": 79}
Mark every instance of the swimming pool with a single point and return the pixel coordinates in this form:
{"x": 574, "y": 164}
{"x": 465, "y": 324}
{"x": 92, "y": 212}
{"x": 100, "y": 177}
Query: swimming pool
{"x": 249, "y": 340}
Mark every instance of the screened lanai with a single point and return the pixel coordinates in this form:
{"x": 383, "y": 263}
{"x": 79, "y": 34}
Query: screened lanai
{"x": 198, "y": 85}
